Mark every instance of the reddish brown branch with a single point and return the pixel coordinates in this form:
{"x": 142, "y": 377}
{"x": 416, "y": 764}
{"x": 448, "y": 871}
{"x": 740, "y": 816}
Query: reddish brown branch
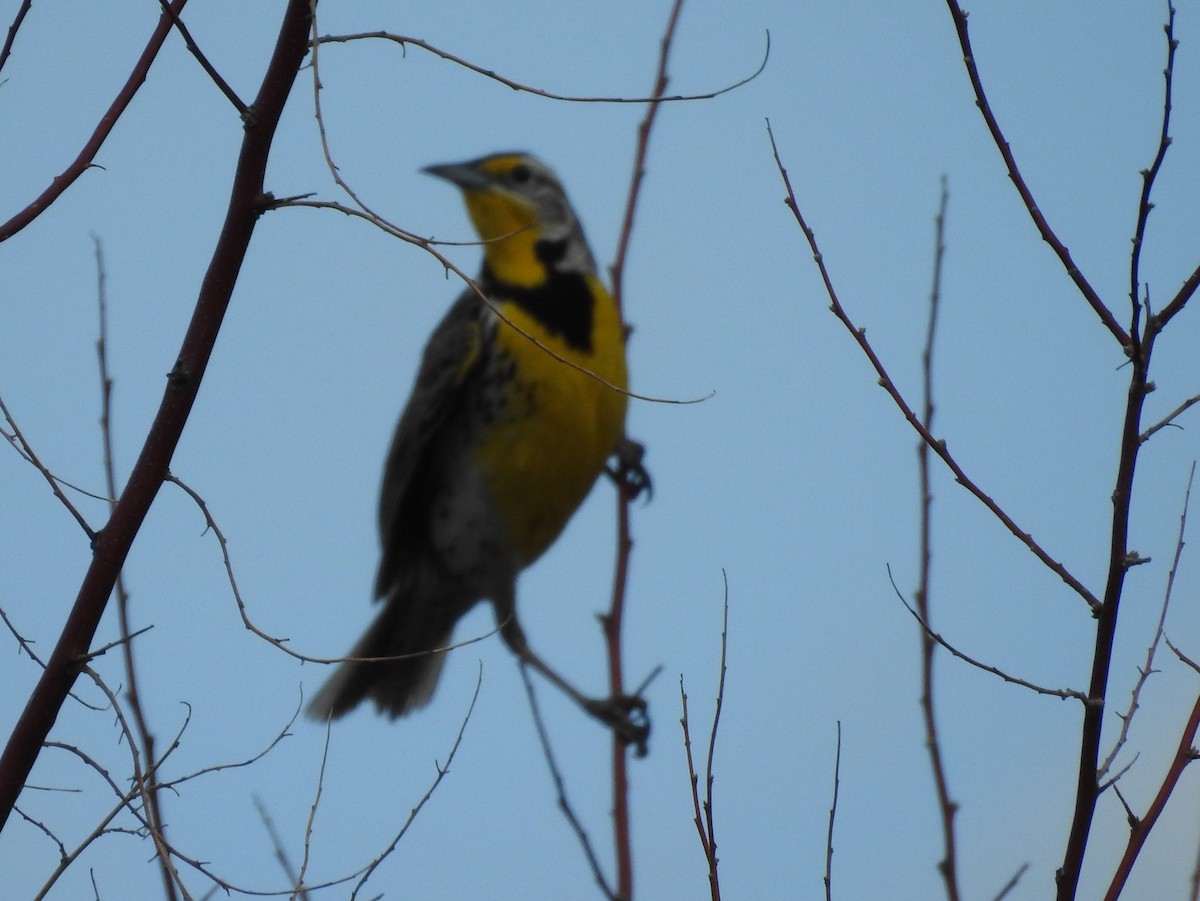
{"x": 105, "y": 126}
{"x": 1184, "y": 755}
{"x": 613, "y": 620}
{"x": 12, "y": 32}
{"x": 113, "y": 543}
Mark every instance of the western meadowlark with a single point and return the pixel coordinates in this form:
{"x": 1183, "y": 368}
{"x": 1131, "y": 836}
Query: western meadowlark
{"x": 501, "y": 441}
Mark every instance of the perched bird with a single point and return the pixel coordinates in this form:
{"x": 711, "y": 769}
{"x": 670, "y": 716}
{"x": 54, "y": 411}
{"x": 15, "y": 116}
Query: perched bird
{"x": 501, "y": 441}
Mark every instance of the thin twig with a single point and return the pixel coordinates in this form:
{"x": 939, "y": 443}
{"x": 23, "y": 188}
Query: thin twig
{"x": 1149, "y": 175}
{"x": 1184, "y": 754}
{"x": 645, "y": 127}
{"x": 1156, "y": 322}
{"x": 1018, "y": 180}
{"x": 1121, "y": 557}
{"x": 714, "y": 882}
{"x": 26, "y": 450}
{"x": 12, "y": 31}
{"x": 987, "y": 667}
{"x": 946, "y": 805}
{"x": 613, "y": 620}
{"x": 837, "y": 779}
{"x": 277, "y": 844}
{"x": 405, "y": 42}
{"x": 208, "y": 67}
{"x": 428, "y": 244}
{"x": 442, "y": 770}
{"x": 1169, "y": 419}
{"x": 298, "y": 880}
{"x": 703, "y": 811}
{"x": 283, "y": 643}
{"x": 103, "y": 128}
{"x": 938, "y": 446}
{"x": 1148, "y": 666}
{"x": 560, "y": 788}
{"x": 1012, "y": 883}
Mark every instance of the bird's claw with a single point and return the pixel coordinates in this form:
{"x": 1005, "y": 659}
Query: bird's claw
{"x": 626, "y": 715}
{"x": 630, "y": 472}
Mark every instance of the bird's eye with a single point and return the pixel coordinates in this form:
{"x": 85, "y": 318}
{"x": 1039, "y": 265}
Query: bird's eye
{"x": 520, "y": 174}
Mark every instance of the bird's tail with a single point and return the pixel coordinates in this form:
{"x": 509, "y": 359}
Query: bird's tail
{"x": 396, "y": 686}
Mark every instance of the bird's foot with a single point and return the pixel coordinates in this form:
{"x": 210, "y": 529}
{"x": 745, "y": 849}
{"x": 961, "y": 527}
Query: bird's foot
{"x": 626, "y": 715}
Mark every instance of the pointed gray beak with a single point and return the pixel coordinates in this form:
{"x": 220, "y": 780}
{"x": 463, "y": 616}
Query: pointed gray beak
{"x": 465, "y": 175}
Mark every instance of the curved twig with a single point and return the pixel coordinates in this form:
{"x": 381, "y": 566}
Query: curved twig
{"x": 404, "y": 41}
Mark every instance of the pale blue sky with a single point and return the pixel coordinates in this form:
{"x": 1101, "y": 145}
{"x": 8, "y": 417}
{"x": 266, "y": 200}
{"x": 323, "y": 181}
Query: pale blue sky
{"x": 797, "y": 478}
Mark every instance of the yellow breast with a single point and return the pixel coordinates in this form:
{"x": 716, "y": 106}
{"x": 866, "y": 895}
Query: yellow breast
{"x": 559, "y": 426}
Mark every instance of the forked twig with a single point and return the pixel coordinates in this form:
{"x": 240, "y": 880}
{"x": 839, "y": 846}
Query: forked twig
{"x": 208, "y": 67}
{"x": 1185, "y": 753}
{"x": 705, "y": 825}
{"x": 442, "y": 770}
{"x": 1148, "y": 666}
{"x": 25, "y": 449}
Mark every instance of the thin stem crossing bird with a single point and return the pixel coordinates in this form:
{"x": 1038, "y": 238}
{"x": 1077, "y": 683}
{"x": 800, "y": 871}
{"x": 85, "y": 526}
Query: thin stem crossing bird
{"x": 499, "y": 444}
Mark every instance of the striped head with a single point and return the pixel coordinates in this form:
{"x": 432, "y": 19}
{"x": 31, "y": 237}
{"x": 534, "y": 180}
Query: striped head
{"x": 522, "y": 215}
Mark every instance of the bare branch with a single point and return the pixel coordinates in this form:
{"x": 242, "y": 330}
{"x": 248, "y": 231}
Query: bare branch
{"x": 103, "y": 128}
{"x": 1169, "y": 419}
{"x": 1012, "y": 883}
{"x": 946, "y": 805}
{"x": 1018, "y": 180}
{"x": 1140, "y": 829}
{"x": 277, "y": 841}
{"x": 208, "y": 67}
{"x": 560, "y": 787}
{"x": 24, "y": 448}
{"x": 612, "y": 621}
{"x": 986, "y": 667}
{"x": 6, "y": 51}
{"x": 704, "y": 811}
{"x": 111, "y": 547}
{"x": 837, "y": 772}
{"x": 1156, "y": 322}
{"x": 1184, "y": 658}
{"x": 442, "y": 770}
{"x": 654, "y": 98}
{"x": 938, "y": 446}
{"x": 282, "y": 643}
{"x": 1148, "y": 175}
{"x": 1148, "y": 666}
{"x": 430, "y": 246}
